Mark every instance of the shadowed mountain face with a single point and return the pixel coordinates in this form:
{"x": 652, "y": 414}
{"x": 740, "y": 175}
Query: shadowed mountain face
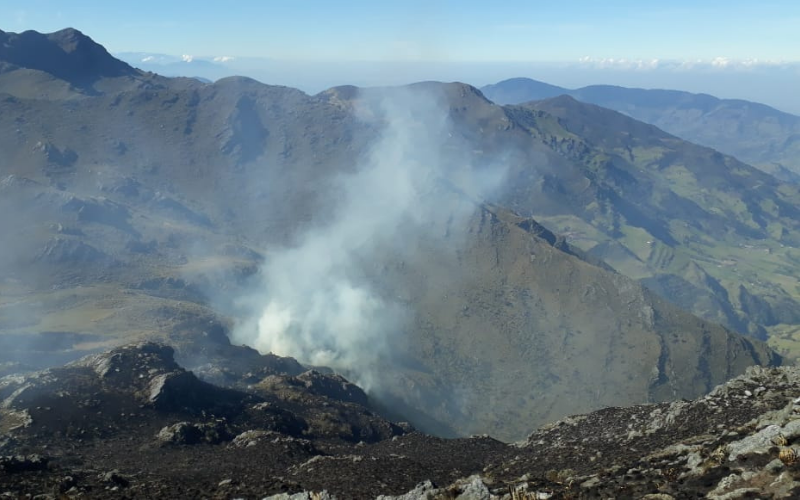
{"x": 67, "y": 54}
{"x": 754, "y": 133}
{"x": 64, "y": 65}
{"x": 350, "y": 228}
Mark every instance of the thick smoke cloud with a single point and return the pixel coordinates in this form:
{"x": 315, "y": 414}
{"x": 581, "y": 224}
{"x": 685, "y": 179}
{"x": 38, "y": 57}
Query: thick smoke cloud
{"x": 315, "y": 302}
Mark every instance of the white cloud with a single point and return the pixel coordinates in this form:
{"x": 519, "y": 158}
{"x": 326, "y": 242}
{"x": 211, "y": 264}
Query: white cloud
{"x": 622, "y": 63}
{"x": 187, "y": 58}
{"x": 223, "y": 59}
{"x": 720, "y": 62}
{"x": 717, "y": 63}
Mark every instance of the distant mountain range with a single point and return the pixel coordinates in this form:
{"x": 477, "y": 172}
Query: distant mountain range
{"x": 145, "y": 206}
{"x": 754, "y": 133}
{"x": 204, "y": 68}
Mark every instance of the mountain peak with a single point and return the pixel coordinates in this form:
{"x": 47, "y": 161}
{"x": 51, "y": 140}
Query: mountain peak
{"x": 517, "y": 90}
{"x": 565, "y": 100}
{"x": 67, "y": 54}
{"x": 69, "y": 39}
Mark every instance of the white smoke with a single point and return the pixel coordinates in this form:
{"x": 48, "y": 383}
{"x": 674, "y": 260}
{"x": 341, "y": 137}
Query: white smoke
{"x": 315, "y": 302}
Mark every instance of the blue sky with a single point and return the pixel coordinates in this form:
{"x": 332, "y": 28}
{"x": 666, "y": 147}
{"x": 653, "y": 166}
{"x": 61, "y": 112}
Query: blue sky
{"x": 411, "y": 30}
{"x": 746, "y": 49}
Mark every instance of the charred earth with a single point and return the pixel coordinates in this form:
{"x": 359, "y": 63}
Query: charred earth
{"x": 131, "y": 423}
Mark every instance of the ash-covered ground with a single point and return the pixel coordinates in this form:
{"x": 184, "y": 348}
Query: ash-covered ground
{"x": 132, "y": 423}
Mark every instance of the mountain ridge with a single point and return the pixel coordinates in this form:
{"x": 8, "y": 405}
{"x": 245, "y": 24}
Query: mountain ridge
{"x": 753, "y": 132}
{"x": 67, "y": 54}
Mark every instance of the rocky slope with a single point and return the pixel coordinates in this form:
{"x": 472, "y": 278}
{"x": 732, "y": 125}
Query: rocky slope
{"x": 543, "y": 323}
{"x": 131, "y": 423}
{"x": 692, "y": 224}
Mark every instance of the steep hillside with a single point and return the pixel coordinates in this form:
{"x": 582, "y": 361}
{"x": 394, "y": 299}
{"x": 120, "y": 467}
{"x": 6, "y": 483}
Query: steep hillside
{"x": 705, "y": 231}
{"x": 553, "y": 322}
{"x": 752, "y": 132}
{"x": 652, "y": 205}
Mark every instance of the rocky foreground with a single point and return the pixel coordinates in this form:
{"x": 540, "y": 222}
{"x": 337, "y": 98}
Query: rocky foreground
{"x": 132, "y": 423}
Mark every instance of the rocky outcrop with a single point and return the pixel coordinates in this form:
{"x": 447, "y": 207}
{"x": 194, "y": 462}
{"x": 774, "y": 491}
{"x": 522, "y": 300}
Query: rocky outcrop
{"x": 150, "y": 374}
{"x": 335, "y": 406}
{"x": 189, "y": 433}
{"x": 328, "y": 385}
{"x": 67, "y": 251}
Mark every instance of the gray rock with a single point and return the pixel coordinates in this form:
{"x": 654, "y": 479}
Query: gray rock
{"x": 591, "y": 483}
{"x": 180, "y": 433}
{"x": 775, "y": 466}
{"x": 760, "y": 442}
{"x": 694, "y": 464}
{"x": 423, "y": 491}
{"x": 474, "y": 489}
{"x": 165, "y": 389}
{"x": 784, "y": 486}
{"x": 252, "y": 438}
{"x": 186, "y": 433}
{"x": 306, "y": 495}
{"x": 763, "y": 440}
{"x": 733, "y": 486}
{"x": 114, "y": 477}
{"x": 735, "y": 494}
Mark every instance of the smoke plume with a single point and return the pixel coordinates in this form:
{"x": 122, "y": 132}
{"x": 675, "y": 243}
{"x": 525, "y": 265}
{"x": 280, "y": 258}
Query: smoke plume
{"x": 315, "y": 300}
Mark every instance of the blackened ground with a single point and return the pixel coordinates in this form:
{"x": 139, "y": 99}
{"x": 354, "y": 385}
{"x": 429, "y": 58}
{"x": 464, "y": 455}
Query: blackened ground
{"x": 131, "y": 423}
